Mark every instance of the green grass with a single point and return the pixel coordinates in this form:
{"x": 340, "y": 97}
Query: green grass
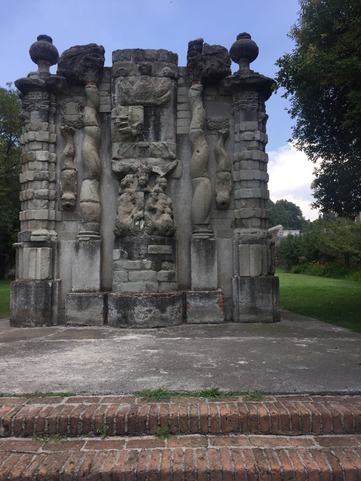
{"x": 211, "y": 393}
{"x": 4, "y": 298}
{"x": 337, "y": 301}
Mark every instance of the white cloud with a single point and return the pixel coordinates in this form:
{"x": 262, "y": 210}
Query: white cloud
{"x": 291, "y": 175}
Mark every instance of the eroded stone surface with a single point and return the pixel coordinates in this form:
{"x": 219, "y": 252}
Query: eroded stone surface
{"x": 144, "y": 177}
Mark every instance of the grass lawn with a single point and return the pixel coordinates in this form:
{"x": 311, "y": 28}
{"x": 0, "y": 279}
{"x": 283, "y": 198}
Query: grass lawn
{"x": 4, "y": 298}
{"x": 336, "y": 301}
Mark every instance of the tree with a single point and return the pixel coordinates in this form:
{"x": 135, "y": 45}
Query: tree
{"x": 324, "y": 241}
{"x": 321, "y": 77}
{"x": 10, "y": 127}
{"x": 286, "y": 213}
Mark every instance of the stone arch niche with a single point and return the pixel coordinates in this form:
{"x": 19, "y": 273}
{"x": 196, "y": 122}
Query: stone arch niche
{"x": 144, "y": 189}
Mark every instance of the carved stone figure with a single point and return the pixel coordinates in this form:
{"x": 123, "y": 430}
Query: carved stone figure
{"x": 89, "y": 194}
{"x": 159, "y": 210}
{"x": 82, "y": 63}
{"x": 127, "y": 123}
{"x": 143, "y": 205}
{"x": 202, "y": 191}
{"x": 130, "y": 217}
{"x": 69, "y": 174}
{"x": 224, "y": 165}
{"x": 207, "y": 63}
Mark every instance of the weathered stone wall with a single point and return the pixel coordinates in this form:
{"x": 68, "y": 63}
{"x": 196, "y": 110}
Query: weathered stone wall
{"x": 141, "y": 180}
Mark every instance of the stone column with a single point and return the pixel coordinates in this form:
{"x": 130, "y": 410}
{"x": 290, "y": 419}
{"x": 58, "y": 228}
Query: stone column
{"x": 203, "y": 243}
{"x": 255, "y": 289}
{"x": 82, "y": 65}
{"x": 34, "y": 293}
{"x": 143, "y": 158}
{"x": 206, "y": 65}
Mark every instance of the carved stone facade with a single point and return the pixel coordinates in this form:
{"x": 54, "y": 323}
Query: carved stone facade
{"x": 144, "y": 189}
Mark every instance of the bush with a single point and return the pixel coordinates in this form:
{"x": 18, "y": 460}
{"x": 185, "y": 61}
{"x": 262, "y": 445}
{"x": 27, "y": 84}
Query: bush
{"x": 330, "y": 248}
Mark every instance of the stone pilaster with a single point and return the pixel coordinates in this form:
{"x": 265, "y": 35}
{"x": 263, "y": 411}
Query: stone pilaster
{"x": 255, "y": 290}
{"x": 34, "y": 291}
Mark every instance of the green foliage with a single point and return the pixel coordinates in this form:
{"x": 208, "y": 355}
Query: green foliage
{"x": 254, "y": 396}
{"x": 4, "y": 298}
{"x": 163, "y": 433}
{"x": 210, "y": 393}
{"x": 10, "y": 127}
{"x": 321, "y": 77}
{"x": 325, "y": 244}
{"x": 337, "y": 301}
{"x": 286, "y": 213}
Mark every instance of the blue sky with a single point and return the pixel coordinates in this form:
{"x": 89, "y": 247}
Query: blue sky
{"x": 168, "y": 24}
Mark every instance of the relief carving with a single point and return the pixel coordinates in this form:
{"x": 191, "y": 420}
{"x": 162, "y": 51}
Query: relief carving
{"x": 89, "y": 193}
{"x": 72, "y": 120}
{"x": 127, "y": 123}
{"x": 144, "y": 90}
{"x": 202, "y": 191}
{"x": 224, "y": 165}
{"x": 159, "y": 210}
{"x": 69, "y": 174}
{"x": 144, "y": 206}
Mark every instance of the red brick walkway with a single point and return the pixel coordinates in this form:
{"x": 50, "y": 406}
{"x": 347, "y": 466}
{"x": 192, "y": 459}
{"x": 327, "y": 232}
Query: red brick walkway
{"x": 126, "y": 415}
{"x": 280, "y": 438}
{"x": 184, "y": 458}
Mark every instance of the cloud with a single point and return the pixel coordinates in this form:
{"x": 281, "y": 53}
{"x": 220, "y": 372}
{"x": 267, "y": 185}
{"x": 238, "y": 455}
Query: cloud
{"x": 291, "y": 175}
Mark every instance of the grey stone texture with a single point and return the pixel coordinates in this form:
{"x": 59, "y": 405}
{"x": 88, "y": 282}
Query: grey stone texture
{"x": 85, "y": 309}
{"x": 205, "y": 307}
{"x": 143, "y": 184}
{"x": 256, "y": 299}
{"x": 146, "y": 309}
{"x": 31, "y": 303}
{"x": 204, "y": 262}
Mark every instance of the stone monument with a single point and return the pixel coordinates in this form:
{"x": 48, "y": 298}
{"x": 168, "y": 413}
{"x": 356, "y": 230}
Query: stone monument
{"x": 144, "y": 189}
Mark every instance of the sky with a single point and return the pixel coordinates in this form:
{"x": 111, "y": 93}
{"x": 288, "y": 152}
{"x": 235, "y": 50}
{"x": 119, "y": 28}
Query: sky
{"x": 169, "y": 24}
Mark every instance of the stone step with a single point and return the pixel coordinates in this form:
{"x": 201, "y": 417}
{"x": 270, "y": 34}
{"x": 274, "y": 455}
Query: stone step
{"x": 128, "y": 415}
{"x": 190, "y": 457}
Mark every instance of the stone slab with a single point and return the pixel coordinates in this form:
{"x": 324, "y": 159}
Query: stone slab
{"x": 204, "y": 307}
{"x": 31, "y": 303}
{"x": 256, "y": 299}
{"x": 295, "y": 355}
{"x": 145, "y": 309}
{"x": 85, "y": 309}
{"x": 86, "y": 266}
{"x": 204, "y": 263}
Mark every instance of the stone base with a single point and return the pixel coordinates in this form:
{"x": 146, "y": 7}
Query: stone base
{"x": 85, "y": 309}
{"x": 143, "y": 310}
{"x": 31, "y": 303}
{"x": 256, "y": 299}
{"x": 204, "y": 262}
{"x": 204, "y": 307}
{"x": 86, "y": 266}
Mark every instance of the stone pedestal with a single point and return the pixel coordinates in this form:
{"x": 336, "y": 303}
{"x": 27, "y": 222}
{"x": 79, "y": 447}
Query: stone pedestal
{"x": 31, "y": 303}
{"x": 86, "y": 266}
{"x": 256, "y": 299}
{"x": 144, "y": 264}
{"x": 85, "y": 309}
{"x": 204, "y": 303}
{"x": 204, "y": 262}
{"x": 204, "y": 307}
{"x": 144, "y": 310}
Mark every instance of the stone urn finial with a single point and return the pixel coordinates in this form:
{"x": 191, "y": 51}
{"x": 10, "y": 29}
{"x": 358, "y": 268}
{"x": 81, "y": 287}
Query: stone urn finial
{"x": 44, "y": 54}
{"x": 244, "y": 51}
